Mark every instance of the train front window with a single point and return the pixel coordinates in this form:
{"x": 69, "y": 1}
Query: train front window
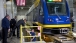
{"x": 56, "y": 8}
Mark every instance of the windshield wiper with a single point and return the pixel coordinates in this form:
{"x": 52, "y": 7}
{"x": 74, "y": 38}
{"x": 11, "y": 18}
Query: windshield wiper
{"x": 56, "y": 12}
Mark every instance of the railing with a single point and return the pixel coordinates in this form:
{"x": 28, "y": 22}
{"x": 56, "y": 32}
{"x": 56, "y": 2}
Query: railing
{"x": 21, "y": 38}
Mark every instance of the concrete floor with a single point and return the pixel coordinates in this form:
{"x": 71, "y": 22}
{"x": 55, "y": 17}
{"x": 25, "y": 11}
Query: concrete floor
{"x": 16, "y": 40}
{"x": 12, "y": 40}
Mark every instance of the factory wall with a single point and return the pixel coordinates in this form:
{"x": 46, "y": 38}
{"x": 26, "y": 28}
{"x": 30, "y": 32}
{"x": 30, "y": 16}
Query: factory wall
{"x": 2, "y": 11}
{"x": 21, "y": 12}
{"x": 11, "y": 9}
{"x": 20, "y": 17}
{"x": 30, "y": 18}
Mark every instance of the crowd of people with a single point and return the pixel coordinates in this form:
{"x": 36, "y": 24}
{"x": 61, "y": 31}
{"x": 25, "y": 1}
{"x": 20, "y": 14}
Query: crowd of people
{"x": 9, "y": 26}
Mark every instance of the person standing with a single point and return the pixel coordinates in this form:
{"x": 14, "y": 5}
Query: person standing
{"x": 5, "y": 28}
{"x": 12, "y": 24}
{"x": 20, "y": 22}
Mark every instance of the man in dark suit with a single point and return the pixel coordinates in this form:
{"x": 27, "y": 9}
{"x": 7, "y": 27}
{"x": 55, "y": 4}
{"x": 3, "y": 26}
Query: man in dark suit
{"x": 12, "y": 24}
{"x": 20, "y": 22}
{"x": 5, "y": 28}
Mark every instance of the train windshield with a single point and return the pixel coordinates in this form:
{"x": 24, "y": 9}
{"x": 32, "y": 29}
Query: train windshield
{"x": 56, "y": 8}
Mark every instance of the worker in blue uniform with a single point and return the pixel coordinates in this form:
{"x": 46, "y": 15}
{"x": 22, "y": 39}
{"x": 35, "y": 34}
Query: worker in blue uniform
{"x": 5, "y": 28}
{"x": 33, "y": 34}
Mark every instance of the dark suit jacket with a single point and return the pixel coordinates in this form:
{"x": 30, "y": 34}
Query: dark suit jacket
{"x": 12, "y": 23}
{"x": 5, "y": 23}
{"x": 20, "y": 22}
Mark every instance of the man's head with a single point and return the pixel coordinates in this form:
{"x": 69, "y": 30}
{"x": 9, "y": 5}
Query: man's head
{"x": 15, "y": 17}
{"x": 8, "y": 17}
{"x": 24, "y": 20}
{"x": 32, "y": 30}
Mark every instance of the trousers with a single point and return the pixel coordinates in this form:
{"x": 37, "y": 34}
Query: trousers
{"x": 18, "y": 31}
{"x": 4, "y": 34}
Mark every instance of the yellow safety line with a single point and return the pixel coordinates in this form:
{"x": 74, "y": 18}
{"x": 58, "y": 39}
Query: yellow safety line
{"x": 53, "y": 26}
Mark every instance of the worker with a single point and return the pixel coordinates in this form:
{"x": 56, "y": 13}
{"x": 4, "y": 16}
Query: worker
{"x": 5, "y": 28}
{"x": 32, "y": 33}
{"x": 12, "y": 24}
{"x": 20, "y": 22}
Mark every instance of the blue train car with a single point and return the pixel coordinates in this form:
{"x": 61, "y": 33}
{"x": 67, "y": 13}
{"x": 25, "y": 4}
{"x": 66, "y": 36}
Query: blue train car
{"x": 52, "y": 15}
{"x": 56, "y": 12}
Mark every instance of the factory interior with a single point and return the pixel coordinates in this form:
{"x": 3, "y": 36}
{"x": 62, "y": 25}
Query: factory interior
{"x": 46, "y": 21}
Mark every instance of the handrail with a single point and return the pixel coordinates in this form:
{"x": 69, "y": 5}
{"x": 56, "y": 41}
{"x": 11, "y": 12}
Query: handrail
{"x": 21, "y": 27}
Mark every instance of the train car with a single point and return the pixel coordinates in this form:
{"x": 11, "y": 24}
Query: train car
{"x": 52, "y": 15}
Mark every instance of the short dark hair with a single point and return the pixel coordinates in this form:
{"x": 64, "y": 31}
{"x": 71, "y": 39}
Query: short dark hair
{"x": 6, "y": 15}
{"x": 32, "y": 29}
